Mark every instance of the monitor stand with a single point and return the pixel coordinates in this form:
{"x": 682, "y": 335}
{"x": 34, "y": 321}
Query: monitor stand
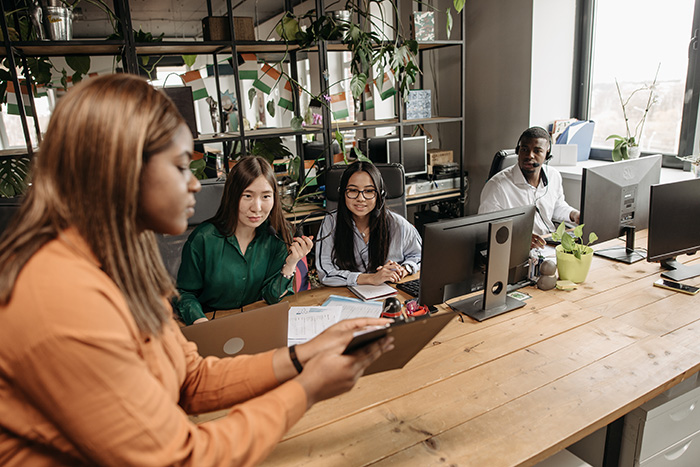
{"x": 494, "y": 300}
{"x": 625, "y": 254}
{"x": 679, "y": 271}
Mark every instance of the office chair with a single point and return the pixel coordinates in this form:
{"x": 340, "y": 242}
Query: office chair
{"x": 502, "y": 160}
{"x": 394, "y": 183}
{"x": 208, "y": 201}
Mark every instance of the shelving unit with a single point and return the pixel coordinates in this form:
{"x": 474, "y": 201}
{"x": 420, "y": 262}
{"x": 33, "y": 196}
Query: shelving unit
{"x": 130, "y": 51}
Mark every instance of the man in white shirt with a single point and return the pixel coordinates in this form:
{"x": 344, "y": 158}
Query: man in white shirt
{"x": 530, "y": 181}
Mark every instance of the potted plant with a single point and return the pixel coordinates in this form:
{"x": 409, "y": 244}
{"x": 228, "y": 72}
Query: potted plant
{"x": 627, "y": 147}
{"x": 573, "y": 257}
{"x": 694, "y": 161}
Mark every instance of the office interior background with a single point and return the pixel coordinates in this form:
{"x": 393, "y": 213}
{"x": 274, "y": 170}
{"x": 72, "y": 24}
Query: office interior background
{"x": 526, "y": 63}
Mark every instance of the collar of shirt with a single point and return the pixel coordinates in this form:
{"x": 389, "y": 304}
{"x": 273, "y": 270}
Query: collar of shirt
{"x": 519, "y": 179}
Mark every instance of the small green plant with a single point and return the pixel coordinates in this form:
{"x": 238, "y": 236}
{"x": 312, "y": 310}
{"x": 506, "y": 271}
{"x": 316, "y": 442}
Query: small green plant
{"x": 573, "y": 243}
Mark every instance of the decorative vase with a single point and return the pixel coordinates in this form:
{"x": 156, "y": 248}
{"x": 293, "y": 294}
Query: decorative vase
{"x": 571, "y": 268}
{"x": 633, "y": 152}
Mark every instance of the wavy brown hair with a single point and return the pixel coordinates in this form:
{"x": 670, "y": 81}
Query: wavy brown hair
{"x": 86, "y": 176}
{"x": 241, "y": 176}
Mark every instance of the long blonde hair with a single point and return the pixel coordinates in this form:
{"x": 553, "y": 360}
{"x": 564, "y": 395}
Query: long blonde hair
{"x": 86, "y": 176}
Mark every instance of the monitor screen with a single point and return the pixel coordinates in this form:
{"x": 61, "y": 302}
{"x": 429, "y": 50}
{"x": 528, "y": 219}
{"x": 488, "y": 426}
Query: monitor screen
{"x": 673, "y": 226}
{"x": 455, "y": 253}
{"x": 415, "y": 154}
{"x": 615, "y": 202}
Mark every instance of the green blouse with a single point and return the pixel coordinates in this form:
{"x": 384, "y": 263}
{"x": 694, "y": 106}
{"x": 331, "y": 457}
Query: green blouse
{"x": 215, "y": 275}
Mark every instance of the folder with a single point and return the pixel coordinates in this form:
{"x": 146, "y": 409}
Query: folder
{"x": 581, "y": 134}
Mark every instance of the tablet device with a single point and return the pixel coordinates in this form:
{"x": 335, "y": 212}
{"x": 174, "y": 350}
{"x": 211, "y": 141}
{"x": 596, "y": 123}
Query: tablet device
{"x": 410, "y": 337}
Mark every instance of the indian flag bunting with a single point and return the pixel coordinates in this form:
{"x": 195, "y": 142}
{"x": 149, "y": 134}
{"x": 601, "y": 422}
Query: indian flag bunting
{"x": 387, "y": 88}
{"x": 40, "y": 90}
{"x": 269, "y": 78}
{"x": 339, "y": 106}
{"x": 286, "y": 97}
{"x": 12, "y": 105}
{"x": 248, "y": 66}
{"x": 369, "y": 98}
{"x": 194, "y": 79}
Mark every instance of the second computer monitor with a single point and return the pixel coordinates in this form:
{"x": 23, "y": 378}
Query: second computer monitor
{"x": 615, "y": 202}
{"x": 455, "y": 253}
{"x": 674, "y": 226}
{"x": 385, "y": 149}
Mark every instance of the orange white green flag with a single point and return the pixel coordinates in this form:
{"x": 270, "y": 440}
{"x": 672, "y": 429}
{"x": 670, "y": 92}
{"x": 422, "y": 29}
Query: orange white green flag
{"x": 248, "y": 66}
{"x": 286, "y": 97}
{"x": 387, "y": 87}
{"x": 369, "y": 98}
{"x": 194, "y": 80}
{"x": 12, "y": 105}
{"x": 339, "y": 106}
{"x": 268, "y": 79}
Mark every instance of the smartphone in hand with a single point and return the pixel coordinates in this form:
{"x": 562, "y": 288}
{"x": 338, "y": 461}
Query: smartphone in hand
{"x": 677, "y": 286}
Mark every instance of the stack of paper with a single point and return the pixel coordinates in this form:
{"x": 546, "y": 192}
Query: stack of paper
{"x": 372, "y": 292}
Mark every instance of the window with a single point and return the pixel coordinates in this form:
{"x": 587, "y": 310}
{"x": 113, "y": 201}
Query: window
{"x": 629, "y": 40}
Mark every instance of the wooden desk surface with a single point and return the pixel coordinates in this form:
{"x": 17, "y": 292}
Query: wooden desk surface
{"x": 516, "y": 388}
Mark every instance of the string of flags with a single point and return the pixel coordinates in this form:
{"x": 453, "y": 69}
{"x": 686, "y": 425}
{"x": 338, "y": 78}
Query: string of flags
{"x": 39, "y": 90}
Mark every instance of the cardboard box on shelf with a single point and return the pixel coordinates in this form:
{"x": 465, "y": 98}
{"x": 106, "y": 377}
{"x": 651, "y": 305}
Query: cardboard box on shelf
{"x": 438, "y": 157}
{"x": 216, "y": 28}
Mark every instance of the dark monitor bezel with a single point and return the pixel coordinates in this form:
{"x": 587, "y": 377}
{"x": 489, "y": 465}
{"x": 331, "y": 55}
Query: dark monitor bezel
{"x": 671, "y": 209}
{"x": 441, "y": 267}
{"x": 408, "y": 146}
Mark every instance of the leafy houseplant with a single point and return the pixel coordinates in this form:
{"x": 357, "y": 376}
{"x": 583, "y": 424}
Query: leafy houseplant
{"x": 573, "y": 257}
{"x": 626, "y": 147}
{"x": 694, "y": 161}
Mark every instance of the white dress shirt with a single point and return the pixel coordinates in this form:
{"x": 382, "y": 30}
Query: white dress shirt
{"x": 509, "y": 189}
{"x": 404, "y": 248}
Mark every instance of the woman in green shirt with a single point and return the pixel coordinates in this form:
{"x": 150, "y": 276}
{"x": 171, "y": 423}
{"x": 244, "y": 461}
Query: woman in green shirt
{"x": 245, "y": 252}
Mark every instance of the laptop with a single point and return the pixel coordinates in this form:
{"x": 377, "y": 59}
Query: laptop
{"x": 248, "y": 332}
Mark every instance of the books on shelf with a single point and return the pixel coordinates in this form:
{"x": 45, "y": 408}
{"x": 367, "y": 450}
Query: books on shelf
{"x": 372, "y": 292}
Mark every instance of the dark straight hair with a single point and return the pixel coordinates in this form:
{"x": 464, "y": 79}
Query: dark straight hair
{"x": 241, "y": 176}
{"x": 380, "y": 223}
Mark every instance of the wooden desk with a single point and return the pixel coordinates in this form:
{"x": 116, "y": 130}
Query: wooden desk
{"x": 514, "y": 389}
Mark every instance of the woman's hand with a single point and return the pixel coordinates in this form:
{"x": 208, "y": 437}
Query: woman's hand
{"x": 330, "y": 373}
{"x": 390, "y": 272}
{"x": 300, "y": 247}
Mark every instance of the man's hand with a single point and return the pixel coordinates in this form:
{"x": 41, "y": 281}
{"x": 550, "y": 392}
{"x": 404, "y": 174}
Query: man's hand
{"x": 575, "y": 217}
{"x": 537, "y": 241}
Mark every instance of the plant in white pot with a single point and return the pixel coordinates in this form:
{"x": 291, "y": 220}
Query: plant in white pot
{"x": 573, "y": 257}
{"x": 627, "y": 147}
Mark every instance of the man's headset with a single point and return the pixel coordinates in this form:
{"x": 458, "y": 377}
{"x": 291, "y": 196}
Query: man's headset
{"x": 548, "y": 156}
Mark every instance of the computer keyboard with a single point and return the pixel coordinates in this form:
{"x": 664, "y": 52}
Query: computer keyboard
{"x": 410, "y": 287}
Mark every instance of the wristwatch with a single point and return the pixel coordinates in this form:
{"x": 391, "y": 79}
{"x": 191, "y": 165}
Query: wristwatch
{"x": 408, "y": 268}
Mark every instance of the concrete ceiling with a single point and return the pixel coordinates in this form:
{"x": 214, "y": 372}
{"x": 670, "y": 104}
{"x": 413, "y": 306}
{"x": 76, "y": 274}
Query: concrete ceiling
{"x": 174, "y": 18}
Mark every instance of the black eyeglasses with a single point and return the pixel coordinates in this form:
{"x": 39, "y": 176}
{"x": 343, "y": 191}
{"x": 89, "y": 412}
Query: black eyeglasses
{"x": 352, "y": 193}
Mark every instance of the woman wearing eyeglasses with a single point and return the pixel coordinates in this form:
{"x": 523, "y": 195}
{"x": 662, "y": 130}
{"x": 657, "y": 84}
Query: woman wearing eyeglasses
{"x": 363, "y": 242}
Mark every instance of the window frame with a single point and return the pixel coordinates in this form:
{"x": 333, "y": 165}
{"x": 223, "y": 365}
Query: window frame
{"x": 581, "y": 87}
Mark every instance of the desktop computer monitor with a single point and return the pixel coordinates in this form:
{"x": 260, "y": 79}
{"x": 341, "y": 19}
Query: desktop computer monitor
{"x": 385, "y": 149}
{"x": 615, "y": 202}
{"x": 459, "y": 257}
{"x": 674, "y": 226}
